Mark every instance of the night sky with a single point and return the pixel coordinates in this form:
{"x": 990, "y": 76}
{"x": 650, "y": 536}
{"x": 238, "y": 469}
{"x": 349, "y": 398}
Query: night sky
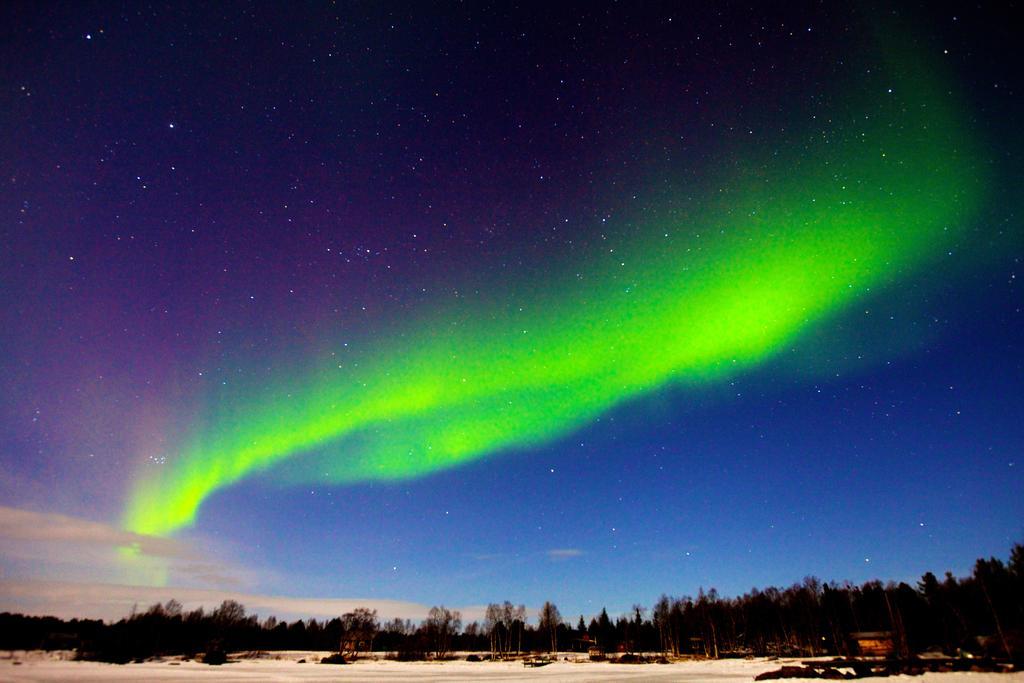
{"x": 465, "y": 302}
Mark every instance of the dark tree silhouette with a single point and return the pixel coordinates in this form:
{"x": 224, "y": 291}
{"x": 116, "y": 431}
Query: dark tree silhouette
{"x": 441, "y": 625}
{"x": 550, "y": 619}
{"x": 981, "y": 614}
{"x": 358, "y": 629}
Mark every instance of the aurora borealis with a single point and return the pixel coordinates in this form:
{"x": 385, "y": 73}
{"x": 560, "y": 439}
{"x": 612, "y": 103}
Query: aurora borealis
{"x": 783, "y": 254}
{"x": 364, "y": 274}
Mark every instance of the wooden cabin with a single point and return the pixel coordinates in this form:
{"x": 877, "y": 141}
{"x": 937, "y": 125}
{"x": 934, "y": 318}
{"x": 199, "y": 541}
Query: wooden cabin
{"x": 873, "y": 643}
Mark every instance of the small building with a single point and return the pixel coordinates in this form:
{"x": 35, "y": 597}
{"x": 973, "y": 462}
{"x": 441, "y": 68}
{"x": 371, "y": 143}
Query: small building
{"x": 873, "y": 643}
{"x": 584, "y": 643}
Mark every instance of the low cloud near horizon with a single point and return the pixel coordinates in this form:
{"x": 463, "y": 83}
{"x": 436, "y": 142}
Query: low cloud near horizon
{"x": 56, "y": 547}
{"x": 90, "y": 576}
{"x": 111, "y": 602}
{"x": 49, "y": 527}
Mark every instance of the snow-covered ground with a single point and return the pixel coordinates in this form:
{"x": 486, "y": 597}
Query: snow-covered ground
{"x": 285, "y": 667}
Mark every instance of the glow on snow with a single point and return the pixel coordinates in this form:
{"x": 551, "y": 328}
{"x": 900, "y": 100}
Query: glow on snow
{"x": 797, "y": 237}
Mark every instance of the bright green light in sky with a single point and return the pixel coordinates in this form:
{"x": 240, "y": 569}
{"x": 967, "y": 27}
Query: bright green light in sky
{"x": 853, "y": 206}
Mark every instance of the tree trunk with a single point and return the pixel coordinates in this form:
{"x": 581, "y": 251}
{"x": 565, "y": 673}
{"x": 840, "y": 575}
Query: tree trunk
{"x": 902, "y": 648}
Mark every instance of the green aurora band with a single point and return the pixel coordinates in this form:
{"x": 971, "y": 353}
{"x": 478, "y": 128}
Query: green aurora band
{"x": 884, "y": 188}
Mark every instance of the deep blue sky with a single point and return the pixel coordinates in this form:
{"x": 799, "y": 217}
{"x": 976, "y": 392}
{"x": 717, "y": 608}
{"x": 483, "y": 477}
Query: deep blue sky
{"x": 165, "y": 166}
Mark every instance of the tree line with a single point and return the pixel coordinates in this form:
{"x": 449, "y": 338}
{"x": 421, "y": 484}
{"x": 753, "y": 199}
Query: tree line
{"x": 982, "y": 613}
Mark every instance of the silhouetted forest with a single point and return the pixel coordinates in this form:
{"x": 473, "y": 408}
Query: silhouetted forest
{"x": 981, "y": 614}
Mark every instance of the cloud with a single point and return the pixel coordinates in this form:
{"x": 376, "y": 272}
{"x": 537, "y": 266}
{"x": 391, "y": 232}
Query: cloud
{"x": 55, "y": 547}
{"x": 87, "y": 574}
{"x": 113, "y": 601}
{"x": 563, "y": 553}
{"x": 48, "y": 527}
{"x": 487, "y": 557}
{"x": 66, "y": 566}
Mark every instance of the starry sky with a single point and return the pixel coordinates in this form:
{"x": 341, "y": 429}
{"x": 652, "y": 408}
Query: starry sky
{"x": 456, "y": 303}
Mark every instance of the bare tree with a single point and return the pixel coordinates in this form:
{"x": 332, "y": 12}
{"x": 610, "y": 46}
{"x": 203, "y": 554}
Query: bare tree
{"x": 492, "y": 622}
{"x": 507, "y": 618}
{"x": 359, "y": 627}
{"x": 661, "y": 615}
{"x": 398, "y": 626}
{"x": 520, "y": 617}
{"x": 441, "y": 625}
{"x": 550, "y": 618}
{"x": 172, "y": 608}
{"x": 229, "y": 612}
{"x": 503, "y": 623}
